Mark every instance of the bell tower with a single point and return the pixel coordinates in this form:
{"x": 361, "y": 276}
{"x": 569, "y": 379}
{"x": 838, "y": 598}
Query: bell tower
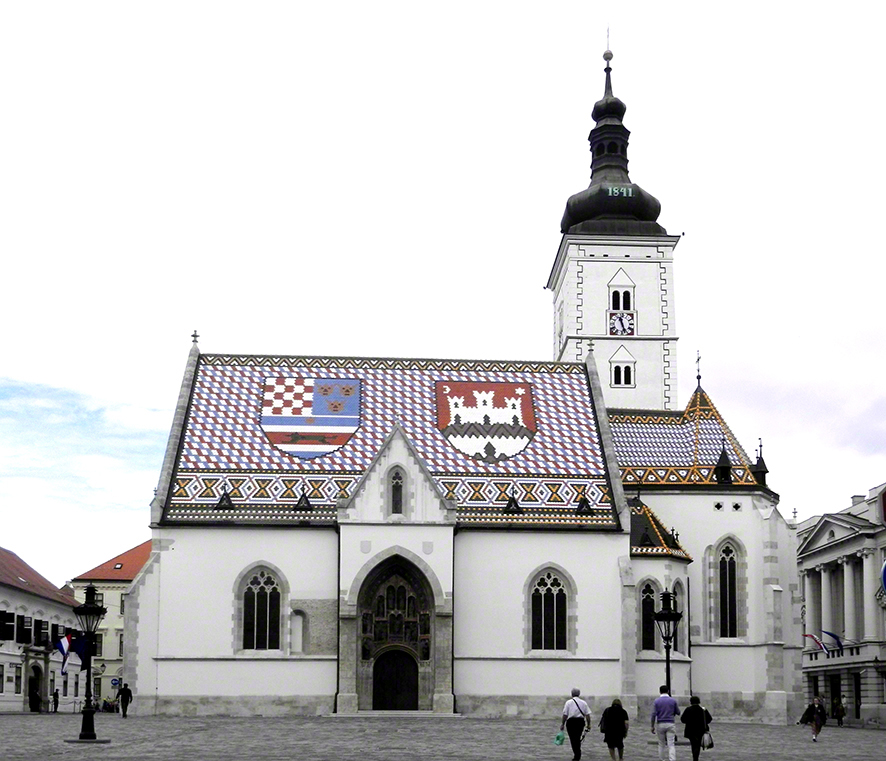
{"x": 612, "y": 280}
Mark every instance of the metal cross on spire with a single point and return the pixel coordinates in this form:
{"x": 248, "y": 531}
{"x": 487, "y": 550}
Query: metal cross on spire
{"x": 698, "y": 366}
{"x": 194, "y": 335}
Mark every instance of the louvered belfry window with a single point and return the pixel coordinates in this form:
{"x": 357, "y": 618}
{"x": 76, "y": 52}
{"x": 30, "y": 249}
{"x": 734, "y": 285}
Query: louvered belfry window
{"x": 261, "y": 613}
{"x": 548, "y": 613}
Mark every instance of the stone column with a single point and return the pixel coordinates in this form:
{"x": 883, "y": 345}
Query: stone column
{"x": 827, "y": 619}
{"x": 805, "y": 594}
{"x": 869, "y": 578}
{"x": 849, "y": 631}
{"x": 813, "y": 605}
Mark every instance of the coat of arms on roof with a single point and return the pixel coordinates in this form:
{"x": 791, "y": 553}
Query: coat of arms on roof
{"x": 489, "y": 422}
{"x": 310, "y": 417}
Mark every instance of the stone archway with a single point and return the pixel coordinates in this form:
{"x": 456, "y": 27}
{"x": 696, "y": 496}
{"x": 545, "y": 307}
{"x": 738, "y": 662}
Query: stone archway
{"x": 35, "y": 689}
{"x": 396, "y": 620}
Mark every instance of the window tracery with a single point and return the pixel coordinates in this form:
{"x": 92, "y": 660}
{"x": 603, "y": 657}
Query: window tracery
{"x": 728, "y": 592}
{"x": 647, "y": 618}
{"x": 261, "y": 612}
{"x": 549, "y": 619}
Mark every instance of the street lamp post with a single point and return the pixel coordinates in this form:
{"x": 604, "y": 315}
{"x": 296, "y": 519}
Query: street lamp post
{"x": 89, "y": 616}
{"x": 667, "y": 619}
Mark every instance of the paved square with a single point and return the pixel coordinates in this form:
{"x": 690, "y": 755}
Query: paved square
{"x": 390, "y": 738}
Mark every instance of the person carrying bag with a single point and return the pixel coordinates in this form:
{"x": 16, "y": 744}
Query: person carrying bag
{"x": 696, "y": 718}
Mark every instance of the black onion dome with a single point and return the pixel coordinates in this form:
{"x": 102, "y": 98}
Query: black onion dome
{"x": 612, "y": 204}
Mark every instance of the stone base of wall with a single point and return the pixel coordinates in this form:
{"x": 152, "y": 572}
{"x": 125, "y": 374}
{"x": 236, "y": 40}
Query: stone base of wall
{"x": 532, "y": 706}
{"x": 873, "y": 716}
{"x": 226, "y": 705}
{"x": 775, "y": 707}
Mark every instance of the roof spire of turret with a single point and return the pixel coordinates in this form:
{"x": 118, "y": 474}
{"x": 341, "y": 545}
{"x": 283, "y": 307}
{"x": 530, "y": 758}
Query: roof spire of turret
{"x": 612, "y": 203}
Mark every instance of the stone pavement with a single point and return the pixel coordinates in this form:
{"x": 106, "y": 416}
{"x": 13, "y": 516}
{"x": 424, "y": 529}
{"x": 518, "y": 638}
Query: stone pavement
{"x": 41, "y": 737}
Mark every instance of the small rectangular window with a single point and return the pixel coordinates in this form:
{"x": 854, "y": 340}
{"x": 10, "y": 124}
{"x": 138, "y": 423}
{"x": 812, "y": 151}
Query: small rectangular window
{"x": 64, "y": 685}
{"x": 96, "y": 687}
{"x": 121, "y": 645}
{"x": 7, "y": 626}
{"x": 122, "y": 603}
{"x": 18, "y": 680}
{"x": 97, "y": 650}
{"x": 76, "y": 685}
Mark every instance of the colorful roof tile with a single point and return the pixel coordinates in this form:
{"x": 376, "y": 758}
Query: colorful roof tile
{"x": 16, "y": 573}
{"x": 649, "y": 537}
{"x": 261, "y": 433}
{"x": 661, "y": 447}
{"x": 123, "y": 567}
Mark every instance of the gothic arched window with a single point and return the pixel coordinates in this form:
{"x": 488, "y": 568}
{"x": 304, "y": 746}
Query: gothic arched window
{"x": 549, "y": 613}
{"x": 396, "y": 492}
{"x": 728, "y": 592}
{"x": 647, "y": 618}
{"x": 261, "y": 612}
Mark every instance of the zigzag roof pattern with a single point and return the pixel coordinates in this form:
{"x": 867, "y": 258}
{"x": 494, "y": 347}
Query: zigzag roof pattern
{"x": 240, "y": 457}
{"x": 663, "y": 447}
{"x": 649, "y": 537}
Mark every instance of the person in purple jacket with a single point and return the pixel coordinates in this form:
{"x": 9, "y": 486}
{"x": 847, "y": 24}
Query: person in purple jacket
{"x": 664, "y": 712}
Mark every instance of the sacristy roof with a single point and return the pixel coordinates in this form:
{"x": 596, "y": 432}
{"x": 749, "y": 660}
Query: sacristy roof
{"x": 649, "y": 537}
{"x": 673, "y": 448}
{"x": 123, "y": 567}
{"x": 262, "y": 433}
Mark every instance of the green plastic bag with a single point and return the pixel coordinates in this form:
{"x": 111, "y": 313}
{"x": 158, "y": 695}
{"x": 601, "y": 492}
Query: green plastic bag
{"x": 560, "y": 738}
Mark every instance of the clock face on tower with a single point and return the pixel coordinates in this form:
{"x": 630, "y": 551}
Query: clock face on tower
{"x": 621, "y": 323}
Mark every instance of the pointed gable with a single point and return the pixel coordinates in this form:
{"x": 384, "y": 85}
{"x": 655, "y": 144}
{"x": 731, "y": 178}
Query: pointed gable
{"x": 265, "y": 430}
{"x": 660, "y": 447}
{"x": 833, "y": 528}
{"x": 621, "y": 279}
{"x": 649, "y": 538}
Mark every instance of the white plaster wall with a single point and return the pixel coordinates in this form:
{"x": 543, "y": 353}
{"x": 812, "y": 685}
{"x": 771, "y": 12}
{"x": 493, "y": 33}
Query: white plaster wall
{"x": 492, "y": 569}
{"x": 142, "y": 627}
{"x": 536, "y": 677}
{"x": 236, "y": 677}
{"x": 361, "y": 542}
{"x": 722, "y": 668}
{"x": 199, "y": 569}
{"x": 651, "y": 676}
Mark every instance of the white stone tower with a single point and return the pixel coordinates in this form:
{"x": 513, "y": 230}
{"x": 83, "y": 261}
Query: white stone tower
{"x": 613, "y": 276}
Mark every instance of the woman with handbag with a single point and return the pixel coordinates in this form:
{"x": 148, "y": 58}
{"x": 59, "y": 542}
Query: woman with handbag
{"x": 614, "y": 726}
{"x": 696, "y": 718}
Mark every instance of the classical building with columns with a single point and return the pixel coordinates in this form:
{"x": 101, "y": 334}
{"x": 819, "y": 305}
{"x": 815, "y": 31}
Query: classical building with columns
{"x": 347, "y": 534}
{"x": 840, "y": 560}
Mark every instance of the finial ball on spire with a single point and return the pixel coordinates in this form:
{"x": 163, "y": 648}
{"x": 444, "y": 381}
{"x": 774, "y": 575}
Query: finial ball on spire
{"x": 607, "y": 56}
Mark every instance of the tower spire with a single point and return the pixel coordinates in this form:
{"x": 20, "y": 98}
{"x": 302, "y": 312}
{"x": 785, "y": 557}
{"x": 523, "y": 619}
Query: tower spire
{"x": 612, "y": 203}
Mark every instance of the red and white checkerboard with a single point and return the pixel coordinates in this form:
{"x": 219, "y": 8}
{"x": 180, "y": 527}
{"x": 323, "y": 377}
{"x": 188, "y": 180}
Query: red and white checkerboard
{"x": 288, "y": 396}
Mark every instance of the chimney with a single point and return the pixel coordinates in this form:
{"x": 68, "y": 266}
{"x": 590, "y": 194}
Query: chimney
{"x": 857, "y": 498}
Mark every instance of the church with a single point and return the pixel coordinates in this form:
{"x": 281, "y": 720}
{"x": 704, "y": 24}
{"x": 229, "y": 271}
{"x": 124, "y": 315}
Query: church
{"x": 349, "y": 534}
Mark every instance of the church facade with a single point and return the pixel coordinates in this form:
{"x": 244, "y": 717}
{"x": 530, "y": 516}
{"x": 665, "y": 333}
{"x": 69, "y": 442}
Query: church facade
{"x": 337, "y": 534}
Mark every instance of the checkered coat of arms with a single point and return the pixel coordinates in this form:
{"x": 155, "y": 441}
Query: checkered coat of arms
{"x": 310, "y": 417}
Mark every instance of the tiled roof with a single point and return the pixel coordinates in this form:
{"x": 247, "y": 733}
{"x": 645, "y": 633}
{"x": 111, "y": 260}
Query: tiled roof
{"x": 656, "y": 447}
{"x": 262, "y": 431}
{"x": 124, "y": 567}
{"x": 15, "y": 572}
{"x": 649, "y": 538}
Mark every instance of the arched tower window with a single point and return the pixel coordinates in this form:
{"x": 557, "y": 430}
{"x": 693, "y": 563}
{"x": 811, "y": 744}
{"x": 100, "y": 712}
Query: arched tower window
{"x": 616, "y": 375}
{"x": 396, "y": 493}
{"x": 261, "y": 612}
{"x": 627, "y": 375}
{"x": 647, "y": 618}
{"x": 728, "y": 592}
{"x": 626, "y": 300}
{"x": 549, "y": 623}
{"x": 616, "y": 300}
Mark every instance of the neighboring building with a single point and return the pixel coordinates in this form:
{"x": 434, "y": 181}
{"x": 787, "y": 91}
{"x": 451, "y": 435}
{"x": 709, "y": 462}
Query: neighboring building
{"x": 33, "y": 615}
{"x": 840, "y": 559}
{"x": 111, "y": 581}
{"x": 454, "y": 535}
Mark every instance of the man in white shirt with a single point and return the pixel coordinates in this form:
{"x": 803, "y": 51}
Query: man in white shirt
{"x": 576, "y": 716}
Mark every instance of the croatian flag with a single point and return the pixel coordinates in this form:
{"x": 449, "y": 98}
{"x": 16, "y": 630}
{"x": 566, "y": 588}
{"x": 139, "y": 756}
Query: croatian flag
{"x": 64, "y": 647}
{"x": 817, "y": 641}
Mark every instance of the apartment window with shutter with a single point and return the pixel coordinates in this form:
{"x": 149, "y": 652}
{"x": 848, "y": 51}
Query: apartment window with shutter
{"x": 2, "y": 678}
{"x": 76, "y": 685}
{"x": 7, "y": 626}
{"x": 98, "y": 645}
{"x": 23, "y": 630}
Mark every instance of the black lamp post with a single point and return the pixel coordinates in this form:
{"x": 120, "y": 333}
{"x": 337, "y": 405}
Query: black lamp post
{"x": 667, "y": 619}
{"x": 89, "y": 616}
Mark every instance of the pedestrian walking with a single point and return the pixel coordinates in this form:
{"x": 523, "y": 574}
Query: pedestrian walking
{"x": 614, "y": 726}
{"x": 55, "y": 702}
{"x": 840, "y": 710}
{"x": 696, "y": 718}
{"x": 815, "y": 717}
{"x": 664, "y": 712}
{"x": 124, "y": 695}
{"x": 576, "y": 716}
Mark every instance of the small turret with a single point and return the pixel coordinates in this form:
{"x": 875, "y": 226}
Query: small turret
{"x": 759, "y": 469}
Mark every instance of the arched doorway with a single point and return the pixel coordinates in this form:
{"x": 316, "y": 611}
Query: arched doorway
{"x": 396, "y": 618}
{"x": 395, "y": 682}
{"x": 35, "y": 684}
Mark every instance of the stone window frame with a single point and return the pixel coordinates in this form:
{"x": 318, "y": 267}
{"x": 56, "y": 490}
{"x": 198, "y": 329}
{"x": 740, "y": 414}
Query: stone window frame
{"x": 712, "y": 588}
{"x": 571, "y": 611}
{"x": 657, "y": 589}
{"x": 622, "y": 367}
{"x": 407, "y": 503}
{"x": 239, "y": 587}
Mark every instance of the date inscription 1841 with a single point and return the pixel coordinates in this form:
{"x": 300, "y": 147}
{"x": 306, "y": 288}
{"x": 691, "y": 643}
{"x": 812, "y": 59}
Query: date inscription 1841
{"x": 623, "y": 192}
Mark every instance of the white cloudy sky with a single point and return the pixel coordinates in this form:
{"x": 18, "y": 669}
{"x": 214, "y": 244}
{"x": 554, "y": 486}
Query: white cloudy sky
{"x": 388, "y": 179}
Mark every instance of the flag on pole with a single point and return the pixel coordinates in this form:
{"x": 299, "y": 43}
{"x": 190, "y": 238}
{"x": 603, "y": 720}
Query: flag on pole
{"x": 835, "y": 638}
{"x": 64, "y": 647}
{"x": 817, "y": 641}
